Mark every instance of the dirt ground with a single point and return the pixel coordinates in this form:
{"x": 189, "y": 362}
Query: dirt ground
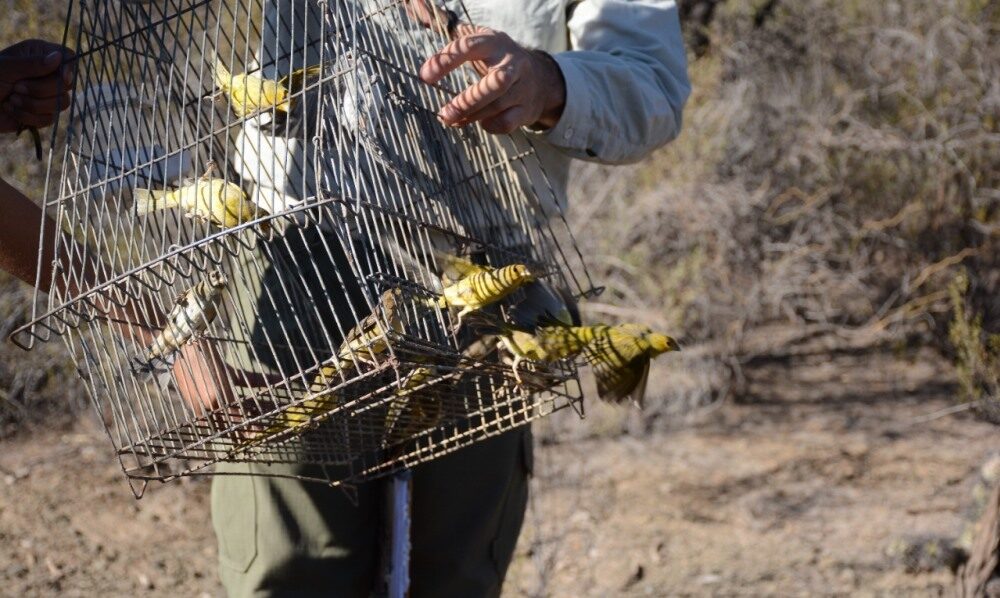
{"x": 798, "y": 493}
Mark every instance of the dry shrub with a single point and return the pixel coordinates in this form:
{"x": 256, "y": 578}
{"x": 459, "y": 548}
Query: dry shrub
{"x": 37, "y": 386}
{"x": 839, "y": 161}
{"x": 977, "y": 354}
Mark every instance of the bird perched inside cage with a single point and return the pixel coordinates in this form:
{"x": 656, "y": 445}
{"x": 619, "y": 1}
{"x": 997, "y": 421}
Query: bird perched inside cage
{"x": 482, "y": 288}
{"x": 191, "y": 316}
{"x": 411, "y": 411}
{"x": 364, "y": 343}
{"x": 294, "y": 419}
{"x": 209, "y": 198}
{"x": 251, "y": 94}
{"x": 369, "y": 339}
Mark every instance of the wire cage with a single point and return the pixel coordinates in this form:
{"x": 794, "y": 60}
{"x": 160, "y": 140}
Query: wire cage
{"x": 248, "y": 273}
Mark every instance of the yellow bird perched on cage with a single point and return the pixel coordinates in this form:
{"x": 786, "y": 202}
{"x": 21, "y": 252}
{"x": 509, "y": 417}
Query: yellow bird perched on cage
{"x": 546, "y": 344}
{"x": 189, "y": 318}
{"x": 463, "y": 285}
{"x": 249, "y": 93}
{"x": 411, "y": 412}
{"x": 620, "y": 357}
{"x": 295, "y": 417}
{"x": 209, "y": 198}
{"x": 481, "y": 288}
{"x": 365, "y": 342}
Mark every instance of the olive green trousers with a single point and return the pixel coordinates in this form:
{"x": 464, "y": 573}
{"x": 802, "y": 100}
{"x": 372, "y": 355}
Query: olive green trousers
{"x": 285, "y": 537}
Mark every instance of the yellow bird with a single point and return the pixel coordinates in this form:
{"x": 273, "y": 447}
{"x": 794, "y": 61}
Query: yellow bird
{"x": 296, "y": 417}
{"x": 211, "y": 199}
{"x": 369, "y": 340}
{"x": 411, "y": 412}
{"x": 482, "y": 288}
{"x": 620, "y": 357}
{"x": 364, "y": 343}
{"x": 250, "y": 94}
{"x": 546, "y": 344}
{"x": 193, "y": 313}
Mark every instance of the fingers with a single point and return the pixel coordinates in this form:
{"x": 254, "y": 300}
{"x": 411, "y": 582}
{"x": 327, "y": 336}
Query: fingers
{"x": 37, "y": 105}
{"x": 44, "y": 87}
{"x": 471, "y": 103}
{"x": 484, "y": 45}
{"x": 26, "y": 119}
{"x": 13, "y": 68}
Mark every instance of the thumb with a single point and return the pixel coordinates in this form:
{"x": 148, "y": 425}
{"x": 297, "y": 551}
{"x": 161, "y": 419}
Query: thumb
{"x": 15, "y": 68}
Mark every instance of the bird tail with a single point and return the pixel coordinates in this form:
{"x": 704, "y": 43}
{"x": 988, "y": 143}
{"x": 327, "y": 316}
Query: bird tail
{"x": 147, "y": 201}
{"x": 223, "y": 78}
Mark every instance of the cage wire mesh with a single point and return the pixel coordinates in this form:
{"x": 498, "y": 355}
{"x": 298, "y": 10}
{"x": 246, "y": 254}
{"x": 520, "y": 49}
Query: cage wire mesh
{"x": 280, "y": 261}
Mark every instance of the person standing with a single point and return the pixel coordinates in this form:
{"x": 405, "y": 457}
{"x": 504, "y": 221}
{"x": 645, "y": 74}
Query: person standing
{"x": 597, "y": 80}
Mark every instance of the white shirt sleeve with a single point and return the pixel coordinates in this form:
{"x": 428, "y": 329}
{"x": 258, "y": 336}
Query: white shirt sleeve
{"x": 626, "y": 80}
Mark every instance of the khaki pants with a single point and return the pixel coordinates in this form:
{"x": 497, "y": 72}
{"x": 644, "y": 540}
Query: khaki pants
{"x": 285, "y": 537}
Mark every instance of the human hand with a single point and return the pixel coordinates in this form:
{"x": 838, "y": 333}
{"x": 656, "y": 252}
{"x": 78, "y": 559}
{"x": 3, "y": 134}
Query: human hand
{"x": 205, "y": 384}
{"x": 519, "y": 87}
{"x": 33, "y": 86}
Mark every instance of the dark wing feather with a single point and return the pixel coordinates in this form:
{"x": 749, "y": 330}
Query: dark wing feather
{"x": 638, "y": 394}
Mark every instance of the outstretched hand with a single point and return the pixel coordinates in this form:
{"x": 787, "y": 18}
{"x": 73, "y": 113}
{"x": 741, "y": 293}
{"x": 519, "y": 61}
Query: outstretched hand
{"x": 519, "y": 87}
{"x": 35, "y": 76}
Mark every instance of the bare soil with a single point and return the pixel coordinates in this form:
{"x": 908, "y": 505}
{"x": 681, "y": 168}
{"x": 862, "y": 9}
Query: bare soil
{"x": 798, "y": 493}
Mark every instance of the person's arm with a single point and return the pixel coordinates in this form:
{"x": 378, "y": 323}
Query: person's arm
{"x": 626, "y": 80}
{"x": 615, "y": 97}
{"x": 21, "y": 223}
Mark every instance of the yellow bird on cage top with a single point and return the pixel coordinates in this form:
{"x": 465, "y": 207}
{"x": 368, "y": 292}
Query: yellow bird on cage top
{"x": 250, "y": 94}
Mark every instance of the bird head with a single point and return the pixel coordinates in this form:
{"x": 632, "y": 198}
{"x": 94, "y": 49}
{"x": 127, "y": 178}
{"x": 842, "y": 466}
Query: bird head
{"x": 217, "y": 279}
{"x": 661, "y": 343}
{"x": 522, "y": 273}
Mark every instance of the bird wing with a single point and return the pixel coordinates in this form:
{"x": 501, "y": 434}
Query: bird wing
{"x": 638, "y": 394}
{"x": 295, "y": 80}
{"x": 617, "y": 360}
{"x": 541, "y": 305}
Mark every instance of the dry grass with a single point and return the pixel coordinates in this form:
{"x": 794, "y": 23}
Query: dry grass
{"x": 839, "y": 162}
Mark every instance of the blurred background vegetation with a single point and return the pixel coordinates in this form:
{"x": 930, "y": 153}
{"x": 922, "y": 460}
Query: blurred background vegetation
{"x": 836, "y": 189}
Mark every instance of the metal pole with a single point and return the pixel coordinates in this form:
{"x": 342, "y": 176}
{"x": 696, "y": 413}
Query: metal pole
{"x": 399, "y": 559}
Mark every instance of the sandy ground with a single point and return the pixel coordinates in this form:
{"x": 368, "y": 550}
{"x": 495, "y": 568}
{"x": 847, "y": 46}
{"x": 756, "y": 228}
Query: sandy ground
{"x": 799, "y": 493}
